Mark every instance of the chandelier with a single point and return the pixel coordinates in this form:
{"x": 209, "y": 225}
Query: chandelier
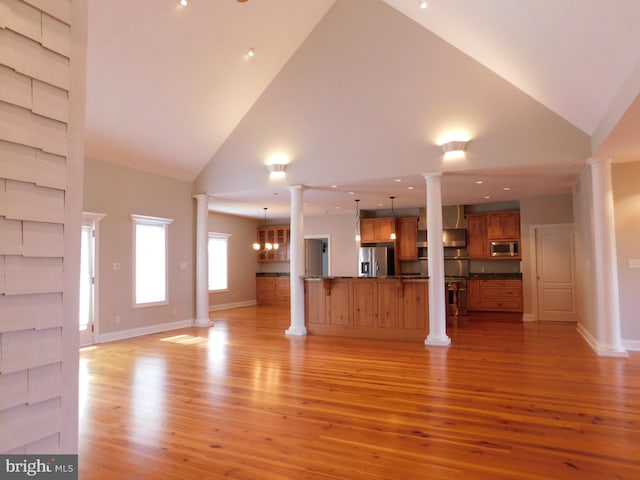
{"x": 266, "y": 246}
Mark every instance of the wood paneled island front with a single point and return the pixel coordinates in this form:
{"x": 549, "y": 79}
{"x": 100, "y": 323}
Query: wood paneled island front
{"x": 394, "y": 308}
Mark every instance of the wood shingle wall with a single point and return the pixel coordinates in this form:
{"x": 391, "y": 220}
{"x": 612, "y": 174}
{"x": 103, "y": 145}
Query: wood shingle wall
{"x": 35, "y": 78}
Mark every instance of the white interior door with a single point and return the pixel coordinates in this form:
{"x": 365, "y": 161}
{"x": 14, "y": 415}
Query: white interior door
{"x": 555, "y": 273}
{"x": 87, "y": 284}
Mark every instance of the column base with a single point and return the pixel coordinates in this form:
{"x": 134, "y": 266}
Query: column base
{"x": 611, "y": 351}
{"x": 299, "y": 331}
{"x": 203, "y": 322}
{"x": 443, "y": 341}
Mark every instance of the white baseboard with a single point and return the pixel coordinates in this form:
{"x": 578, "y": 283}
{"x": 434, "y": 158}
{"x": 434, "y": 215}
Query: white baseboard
{"x": 528, "y": 317}
{"x": 587, "y": 336}
{"x": 227, "y": 306}
{"x": 138, "y": 332}
{"x": 600, "y": 348}
{"x": 631, "y": 345}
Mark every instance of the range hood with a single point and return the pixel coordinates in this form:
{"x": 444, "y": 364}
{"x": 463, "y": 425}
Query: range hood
{"x": 451, "y": 237}
{"x": 454, "y": 227}
{"x": 452, "y": 217}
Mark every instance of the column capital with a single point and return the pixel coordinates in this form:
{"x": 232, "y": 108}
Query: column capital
{"x": 432, "y": 175}
{"x": 598, "y": 162}
{"x": 200, "y": 196}
{"x": 300, "y": 188}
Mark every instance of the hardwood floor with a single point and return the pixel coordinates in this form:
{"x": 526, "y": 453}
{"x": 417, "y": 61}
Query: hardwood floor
{"x": 242, "y": 400}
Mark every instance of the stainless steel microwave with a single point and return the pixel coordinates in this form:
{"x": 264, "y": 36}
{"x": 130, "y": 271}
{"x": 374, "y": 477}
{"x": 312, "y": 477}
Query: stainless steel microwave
{"x": 509, "y": 248}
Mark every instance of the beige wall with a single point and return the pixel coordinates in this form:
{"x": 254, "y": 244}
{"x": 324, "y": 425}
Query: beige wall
{"x": 242, "y": 258}
{"x": 343, "y": 250}
{"x": 546, "y": 210}
{"x": 118, "y": 192}
{"x": 626, "y": 197}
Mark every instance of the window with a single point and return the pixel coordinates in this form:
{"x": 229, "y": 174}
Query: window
{"x": 150, "y": 260}
{"x": 218, "y": 261}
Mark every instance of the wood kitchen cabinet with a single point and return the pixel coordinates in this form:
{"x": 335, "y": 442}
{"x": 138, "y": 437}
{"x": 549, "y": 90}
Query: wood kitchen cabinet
{"x": 277, "y": 234}
{"x": 385, "y": 308}
{"x": 407, "y": 236}
{"x": 377, "y": 230}
{"x": 477, "y": 241}
{"x": 272, "y": 291}
{"x": 503, "y": 226}
{"x": 493, "y": 295}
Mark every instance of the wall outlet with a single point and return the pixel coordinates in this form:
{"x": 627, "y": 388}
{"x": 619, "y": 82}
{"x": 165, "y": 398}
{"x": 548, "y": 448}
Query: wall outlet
{"x": 183, "y": 265}
{"x": 174, "y": 311}
{"x": 117, "y": 318}
{"x": 116, "y": 266}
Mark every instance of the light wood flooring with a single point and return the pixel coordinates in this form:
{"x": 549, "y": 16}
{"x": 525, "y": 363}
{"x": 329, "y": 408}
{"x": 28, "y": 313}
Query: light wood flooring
{"x": 241, "y": 400}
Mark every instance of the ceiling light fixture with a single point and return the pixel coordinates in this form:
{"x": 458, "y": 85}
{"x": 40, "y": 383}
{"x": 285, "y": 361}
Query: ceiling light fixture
{"x": 393, "y": 214}
{"x": 454, "y": 146}
{"x": 184, "y": 3}
{"x": 251, "y": 52}
{"x": 423, "y": 5}
{"x": 277, "y": 170}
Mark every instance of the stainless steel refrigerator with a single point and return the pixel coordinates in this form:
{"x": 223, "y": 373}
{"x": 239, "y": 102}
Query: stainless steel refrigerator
{"x": 375, "y": 261}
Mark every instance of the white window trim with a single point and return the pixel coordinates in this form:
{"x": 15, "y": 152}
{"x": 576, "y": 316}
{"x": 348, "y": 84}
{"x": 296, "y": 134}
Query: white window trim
{"x": 218, "y": 235}
{"x": 148, "y": 220}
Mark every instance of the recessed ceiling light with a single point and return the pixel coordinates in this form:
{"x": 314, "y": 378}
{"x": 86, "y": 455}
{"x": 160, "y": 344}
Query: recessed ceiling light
{"x": 409, "y": 188}
{"x": 487, "y": 196}
{"x": 479, "y": 182}
{"x": 379, "y": 204}
{"x": 398, "y": 180}
{"x": 423, "y": 5}
{"x": 350, "y": 193}
{"x": 251, "y": 52}
{"x": 506, "y": 189}
{"x": 183, "y": 3}
{"x": 334, "y": 186}
{"x": 337, "y": 208}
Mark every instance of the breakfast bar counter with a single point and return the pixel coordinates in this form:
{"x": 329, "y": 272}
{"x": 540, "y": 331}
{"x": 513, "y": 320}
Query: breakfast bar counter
{"x": 392, "y": 308}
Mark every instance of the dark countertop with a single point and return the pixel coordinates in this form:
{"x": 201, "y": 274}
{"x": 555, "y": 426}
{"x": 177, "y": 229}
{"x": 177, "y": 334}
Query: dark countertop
{"x": 392, "y": 277}
{"x": 272, "y": 274}
{"x": 496, "y": 276}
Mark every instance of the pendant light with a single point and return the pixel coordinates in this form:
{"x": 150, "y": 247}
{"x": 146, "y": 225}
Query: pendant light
{"x": 393, "y": 214}
{"x": 268, "y": 246}
{"x": 358, "y": 238}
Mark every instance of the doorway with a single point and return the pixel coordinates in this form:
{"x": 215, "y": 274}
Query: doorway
{"x": 316, "y": 255}
{"x": 554, "y": 290}
{"x": 87, "y": 317}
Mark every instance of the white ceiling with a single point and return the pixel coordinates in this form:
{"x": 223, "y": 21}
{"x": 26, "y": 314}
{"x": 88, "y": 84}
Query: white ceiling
{"x": 168, "y": 84}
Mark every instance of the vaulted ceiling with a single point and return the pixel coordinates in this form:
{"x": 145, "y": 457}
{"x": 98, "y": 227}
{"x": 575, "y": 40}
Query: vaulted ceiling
{"x": 357, "y": 92}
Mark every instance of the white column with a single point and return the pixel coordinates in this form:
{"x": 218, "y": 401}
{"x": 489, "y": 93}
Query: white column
{"x": 296, "y": 262}
{"x": 437, "y": 308}
{"x": 202, "y": 262}
{"x": 605, "y": 260}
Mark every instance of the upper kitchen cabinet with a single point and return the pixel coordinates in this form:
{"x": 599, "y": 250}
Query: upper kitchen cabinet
{"x": 274, "y": 235}
{"x": 377, "y": 230}
{"x": 477, "y": 242}
{"x": 503, "y": 226}
{"x": 407, "y": 236}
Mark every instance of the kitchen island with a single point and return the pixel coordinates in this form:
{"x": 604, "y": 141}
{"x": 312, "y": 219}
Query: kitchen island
{"x": 390, "y": 308}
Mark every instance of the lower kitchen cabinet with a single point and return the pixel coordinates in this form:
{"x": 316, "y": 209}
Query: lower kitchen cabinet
{"x": 272, "y": 291}
{"x": 494, "y": 295}
{"x": 383, "y": 308}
